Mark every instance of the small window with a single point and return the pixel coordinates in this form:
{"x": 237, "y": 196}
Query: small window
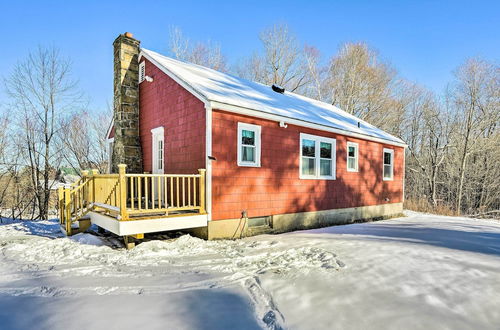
{"x": 160, "y": 154}
{"x": 352, "y": 157}
{"x": 259, "y": 222}
{"x": 388, "y": 170}
{"x": 317, "y": 157}
{"x": 248, "y": 145}
{"x": 142, "y": 71}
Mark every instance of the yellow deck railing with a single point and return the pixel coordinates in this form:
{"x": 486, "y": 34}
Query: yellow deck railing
{"x": 132, "y": 196}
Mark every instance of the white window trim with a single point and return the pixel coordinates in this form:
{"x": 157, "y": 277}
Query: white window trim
{"x": 257, "y": 130}
{"x": 356, "y": 156}
{"x": 157, "y": 134}
{"x": 318, "y": 139}
{"x": 142, "y": 71}
{"x": 390, "y": 151}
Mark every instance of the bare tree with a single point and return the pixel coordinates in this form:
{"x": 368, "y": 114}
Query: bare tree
{"x": 207, "y": 53}
{"x": 5, "y": 162}
{"x": 283, "y": 61}
{"x": 453, "y": 143}
{"x": 42, "y": 92}
{"x": 317, "y": 74}
{"x": 84, "y": 141}
{"x": 427, "y": 132}
{"x": 475, "y": 95}
{"x": 360, "y": 83}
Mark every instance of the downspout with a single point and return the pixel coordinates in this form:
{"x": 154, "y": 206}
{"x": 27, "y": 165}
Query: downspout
{"x": 208, "y": 160}
{"x": 404, "y": 173}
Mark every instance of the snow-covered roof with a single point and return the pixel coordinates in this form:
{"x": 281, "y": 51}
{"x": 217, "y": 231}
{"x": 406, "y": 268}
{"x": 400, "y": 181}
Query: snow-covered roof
{"x": 227, "y": 89}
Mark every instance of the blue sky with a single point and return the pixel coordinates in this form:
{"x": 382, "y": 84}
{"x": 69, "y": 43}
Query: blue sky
{"x": 424, "y": 40}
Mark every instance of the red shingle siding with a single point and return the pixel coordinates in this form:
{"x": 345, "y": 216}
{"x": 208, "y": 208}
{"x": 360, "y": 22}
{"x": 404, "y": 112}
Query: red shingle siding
{"x": 111, "y": 133}
{"x": 164, "y": 102}
{"x": 275, "y": 187}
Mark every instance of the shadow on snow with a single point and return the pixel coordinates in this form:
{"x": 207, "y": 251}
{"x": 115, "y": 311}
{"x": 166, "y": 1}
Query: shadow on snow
{"x": 459, "y": 236}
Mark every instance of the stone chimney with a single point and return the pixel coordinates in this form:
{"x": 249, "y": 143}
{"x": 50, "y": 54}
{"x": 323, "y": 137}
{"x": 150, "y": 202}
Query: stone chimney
{"x": 127, "y": 144}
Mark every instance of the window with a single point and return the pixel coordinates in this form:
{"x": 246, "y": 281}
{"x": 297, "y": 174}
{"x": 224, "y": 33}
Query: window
{"x": 142, "y": 71}
{"x": 160, "y": 154}
{"x": 248, "y": 145}
{"x": 259, "y": 222}
{"x": 158, "y": 147}
{"x": 308, "y": 157}
{"x": 317, "y": 157}
{"x": 352, "y": 157}
{"x": 388, "y": 170}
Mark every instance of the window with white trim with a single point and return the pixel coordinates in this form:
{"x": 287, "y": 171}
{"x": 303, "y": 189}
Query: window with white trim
{"x": 352, "y": 156}
{"x": 317, "y": 157}
{"x": 158, "y": 141}
{"x": 388, "y": 170}
{"x": 142, "y": 71}
{"x": 248, "y": 145}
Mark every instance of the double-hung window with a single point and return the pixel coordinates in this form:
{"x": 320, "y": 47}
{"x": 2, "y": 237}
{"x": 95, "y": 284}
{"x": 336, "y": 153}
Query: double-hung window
{"x": 388, "y": 170}
{"x": 352, "y": 156}
{"x": 248, "y": 145}
{"x": 317, "y": 157}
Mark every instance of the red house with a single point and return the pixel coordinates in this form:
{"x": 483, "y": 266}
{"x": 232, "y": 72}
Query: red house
{"x": 275, "y": 161}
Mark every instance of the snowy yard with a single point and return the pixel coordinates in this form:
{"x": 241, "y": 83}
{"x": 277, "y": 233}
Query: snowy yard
{"x": 417, "y": 272}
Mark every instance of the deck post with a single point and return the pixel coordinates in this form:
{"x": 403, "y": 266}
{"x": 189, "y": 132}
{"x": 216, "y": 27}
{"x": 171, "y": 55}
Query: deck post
{"x": 123, "y": 191}
{"x": 85, "y": 175}
{"x": 60, "y": 191}
{"x": 67, "y": 209}
{"x": 202, "y": 172}
{"x": 93, "y": 173}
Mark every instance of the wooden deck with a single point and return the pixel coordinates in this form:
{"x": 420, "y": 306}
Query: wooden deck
{"x": 123, "y": 198}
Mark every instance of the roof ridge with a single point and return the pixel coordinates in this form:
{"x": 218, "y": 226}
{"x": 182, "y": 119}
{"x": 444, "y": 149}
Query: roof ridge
{"x": 226, "y": 88}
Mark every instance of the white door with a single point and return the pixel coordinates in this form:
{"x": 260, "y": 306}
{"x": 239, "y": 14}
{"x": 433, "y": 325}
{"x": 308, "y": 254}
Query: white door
{"x": 158, "y": 165}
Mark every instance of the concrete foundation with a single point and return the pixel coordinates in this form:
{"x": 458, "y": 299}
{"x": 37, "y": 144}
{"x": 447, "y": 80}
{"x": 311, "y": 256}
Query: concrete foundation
{"x": 237, "y": 228}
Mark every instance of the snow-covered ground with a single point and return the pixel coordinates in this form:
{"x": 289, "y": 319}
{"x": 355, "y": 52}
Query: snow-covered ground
{"x": 416, "y": 272}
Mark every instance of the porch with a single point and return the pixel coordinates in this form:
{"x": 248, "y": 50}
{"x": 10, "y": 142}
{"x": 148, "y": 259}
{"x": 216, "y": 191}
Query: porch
{"x": 133, "y": 204}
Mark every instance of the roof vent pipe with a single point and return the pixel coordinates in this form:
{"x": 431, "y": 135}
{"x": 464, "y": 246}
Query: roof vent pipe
{"x": 278, "y": 89}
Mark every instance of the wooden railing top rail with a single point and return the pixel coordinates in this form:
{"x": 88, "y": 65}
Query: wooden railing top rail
{"x": 79, "y": 187}
{"x": 143, "y": 175}
{"x": 106, "y": 176}
{"x": 128, "y": 175}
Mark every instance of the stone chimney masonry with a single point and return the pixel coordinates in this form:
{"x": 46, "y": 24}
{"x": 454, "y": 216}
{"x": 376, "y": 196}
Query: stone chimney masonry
{"x": 127, "y": 144}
